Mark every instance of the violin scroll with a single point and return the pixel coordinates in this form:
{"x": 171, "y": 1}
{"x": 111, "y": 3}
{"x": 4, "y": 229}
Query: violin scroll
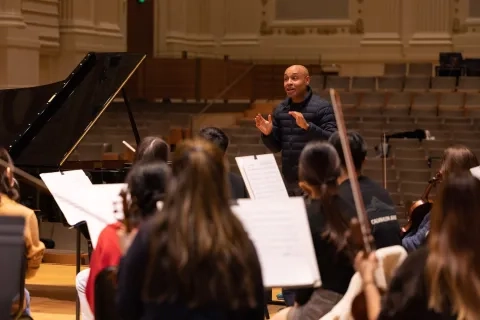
{"x": 420, "y": 208}
{"x": 130, "y": 216}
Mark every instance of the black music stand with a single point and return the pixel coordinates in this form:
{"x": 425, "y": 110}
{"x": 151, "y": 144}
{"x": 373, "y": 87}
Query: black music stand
{"x": 78, "y": 260}
{"x": 12, "y": 256}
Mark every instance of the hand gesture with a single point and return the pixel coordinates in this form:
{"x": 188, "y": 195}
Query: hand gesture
{"x": 301, "y": 122}
{"x": 265, "y": 126}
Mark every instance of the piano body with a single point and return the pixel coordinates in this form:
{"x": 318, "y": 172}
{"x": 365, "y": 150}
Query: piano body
{"x": 42, "y": 126}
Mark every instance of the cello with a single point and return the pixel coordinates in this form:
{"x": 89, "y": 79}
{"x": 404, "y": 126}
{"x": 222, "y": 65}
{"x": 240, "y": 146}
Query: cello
{"x": 420, "y": 208}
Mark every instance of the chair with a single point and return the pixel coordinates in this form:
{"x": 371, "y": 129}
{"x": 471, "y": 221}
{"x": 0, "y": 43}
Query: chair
{"x": 395, "y": 69}
{"x": 13, "y": 265}
{"x": 105, "y": 291}
{"x": 389, "y": 259}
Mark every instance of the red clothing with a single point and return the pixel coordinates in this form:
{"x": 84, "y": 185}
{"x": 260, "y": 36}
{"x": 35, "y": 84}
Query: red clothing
{"x": 106, "y": 254}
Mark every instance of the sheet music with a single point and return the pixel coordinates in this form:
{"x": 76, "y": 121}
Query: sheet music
{"x": 64, "y": 186}
{"x": 281, "y": 233}
{"x": 101, "y": 202}
{"x": 262, "y": 176}
{"x": 80, "y": 200}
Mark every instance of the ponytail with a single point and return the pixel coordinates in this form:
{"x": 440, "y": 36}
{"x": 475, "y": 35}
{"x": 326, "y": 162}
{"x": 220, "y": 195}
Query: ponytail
{"x": 336, "y": 225}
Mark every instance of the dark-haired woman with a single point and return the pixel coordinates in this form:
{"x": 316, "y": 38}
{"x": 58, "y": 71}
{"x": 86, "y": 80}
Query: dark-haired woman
{"x": 10, "y": 207}
{"x": 146, "y": 182}
{"x": 150, "y": 149}
{"x": 193, "y": 260}
{"x": 441, "y": 280}
{"x": 319, "y": 168}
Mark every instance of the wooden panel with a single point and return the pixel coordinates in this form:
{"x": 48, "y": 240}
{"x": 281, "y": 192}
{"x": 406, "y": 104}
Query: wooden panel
{"x": 206, "y": 78}
{"x": 170, "y": 78}
{"x": 244, "y": 88}
{"x": 212, "y": 77}
{"x": 263, "y": 82}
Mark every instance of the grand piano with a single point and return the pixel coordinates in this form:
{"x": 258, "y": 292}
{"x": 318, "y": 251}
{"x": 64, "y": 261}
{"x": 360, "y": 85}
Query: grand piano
{"x": 42, "y": 126}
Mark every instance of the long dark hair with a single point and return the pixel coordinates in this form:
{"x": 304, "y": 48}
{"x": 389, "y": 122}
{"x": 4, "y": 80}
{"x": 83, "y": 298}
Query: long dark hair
{"x": 147, "y": 183}
{"x": 453, "y": 263}
{"x": 319, "y": 167}
{"x": 199, "y": 249}
{"x": 7, "y": 183}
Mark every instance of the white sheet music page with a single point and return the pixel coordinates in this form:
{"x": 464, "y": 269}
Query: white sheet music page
{"x": 262, "y": 176}
{"x": 281, "y": 234}
{"x": 104, "y": 205}
{"x": 64, "y": 187}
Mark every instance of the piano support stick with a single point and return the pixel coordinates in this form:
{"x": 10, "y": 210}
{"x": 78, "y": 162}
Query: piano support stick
{"x": 27, "y": 177}
{"x": 128, "y": 146}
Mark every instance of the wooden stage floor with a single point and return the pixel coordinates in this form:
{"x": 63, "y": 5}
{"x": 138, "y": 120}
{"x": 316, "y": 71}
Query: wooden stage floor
{"x": 53, "y": 293}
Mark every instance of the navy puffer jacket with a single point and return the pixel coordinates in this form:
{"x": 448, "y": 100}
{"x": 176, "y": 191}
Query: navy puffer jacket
{"x": 289, "y": 138}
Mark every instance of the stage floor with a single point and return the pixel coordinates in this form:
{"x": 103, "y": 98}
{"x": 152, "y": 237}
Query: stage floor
{"x": 53, "y": 293}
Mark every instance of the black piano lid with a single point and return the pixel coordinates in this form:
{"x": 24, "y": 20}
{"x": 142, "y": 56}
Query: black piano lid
{"x": 42, "y": 125}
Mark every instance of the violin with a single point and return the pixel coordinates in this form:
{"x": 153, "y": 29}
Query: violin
{"x": 420, "y": 208}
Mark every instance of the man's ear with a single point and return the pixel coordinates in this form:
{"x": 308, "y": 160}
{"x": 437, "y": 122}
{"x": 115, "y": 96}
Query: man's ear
{"x": 306, "y": 188}
{"x": 307, "y": 80}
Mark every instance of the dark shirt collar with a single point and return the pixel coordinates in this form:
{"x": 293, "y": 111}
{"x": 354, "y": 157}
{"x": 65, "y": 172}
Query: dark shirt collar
{"x": 308, "y": 96}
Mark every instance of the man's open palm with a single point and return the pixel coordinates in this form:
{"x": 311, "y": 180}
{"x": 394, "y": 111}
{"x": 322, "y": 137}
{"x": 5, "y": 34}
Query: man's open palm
{"x": 265, "y": 126}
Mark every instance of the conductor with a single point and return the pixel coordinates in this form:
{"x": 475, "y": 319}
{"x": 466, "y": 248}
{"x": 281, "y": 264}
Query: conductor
{"x": 300, "y": 118}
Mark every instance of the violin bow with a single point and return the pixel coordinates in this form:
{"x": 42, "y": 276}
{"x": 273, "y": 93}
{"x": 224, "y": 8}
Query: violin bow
{"x": 384, "y": 162}
{"x": 352, "y": 173}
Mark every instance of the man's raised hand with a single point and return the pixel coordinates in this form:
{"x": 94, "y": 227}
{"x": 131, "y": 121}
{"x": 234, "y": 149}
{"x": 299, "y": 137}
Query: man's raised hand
{"x": 265, "y": 126}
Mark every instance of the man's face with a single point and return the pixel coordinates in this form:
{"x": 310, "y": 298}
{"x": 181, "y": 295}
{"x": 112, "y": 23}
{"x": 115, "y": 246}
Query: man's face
{"x": 295, "y": 82}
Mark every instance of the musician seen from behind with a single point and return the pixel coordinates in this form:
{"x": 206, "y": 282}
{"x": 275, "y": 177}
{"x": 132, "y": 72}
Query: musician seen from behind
{"x": 320, "y": 168}
{"x": 442, "y": 279}
{"x": 220, "y": 139}
{"x": 193, "y": 259}
{"x": 300, "y": 118}
{"x": 146, "y": 181}
{"x": 455, "y": 159}
{"x": 9, "y": 206}
{"x": 379, "y": 205}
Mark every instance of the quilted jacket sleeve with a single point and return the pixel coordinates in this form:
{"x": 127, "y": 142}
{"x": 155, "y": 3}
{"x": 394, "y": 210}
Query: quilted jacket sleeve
{"x": 324, "y": 124}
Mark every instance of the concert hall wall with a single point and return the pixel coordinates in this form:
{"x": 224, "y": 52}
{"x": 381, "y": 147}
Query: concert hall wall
{"x": 359, "y": 35}
{"x": 42, "y": 40}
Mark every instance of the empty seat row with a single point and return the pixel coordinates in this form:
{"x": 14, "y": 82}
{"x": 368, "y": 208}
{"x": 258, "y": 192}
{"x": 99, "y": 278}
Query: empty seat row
{"x": 453, "y": 104}
{"x": 414, "y": 68}
{"x": 396, "y": 83}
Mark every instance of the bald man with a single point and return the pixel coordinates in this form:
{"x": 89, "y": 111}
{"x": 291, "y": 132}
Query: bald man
{"x": 300, "y": 118}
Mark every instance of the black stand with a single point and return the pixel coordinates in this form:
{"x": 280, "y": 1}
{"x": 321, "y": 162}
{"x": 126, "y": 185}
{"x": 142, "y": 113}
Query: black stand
{"x": 130, "y": 116}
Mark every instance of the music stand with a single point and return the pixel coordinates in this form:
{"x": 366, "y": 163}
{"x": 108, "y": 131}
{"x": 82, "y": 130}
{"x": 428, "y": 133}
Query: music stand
{"x": 12, "y": 255}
